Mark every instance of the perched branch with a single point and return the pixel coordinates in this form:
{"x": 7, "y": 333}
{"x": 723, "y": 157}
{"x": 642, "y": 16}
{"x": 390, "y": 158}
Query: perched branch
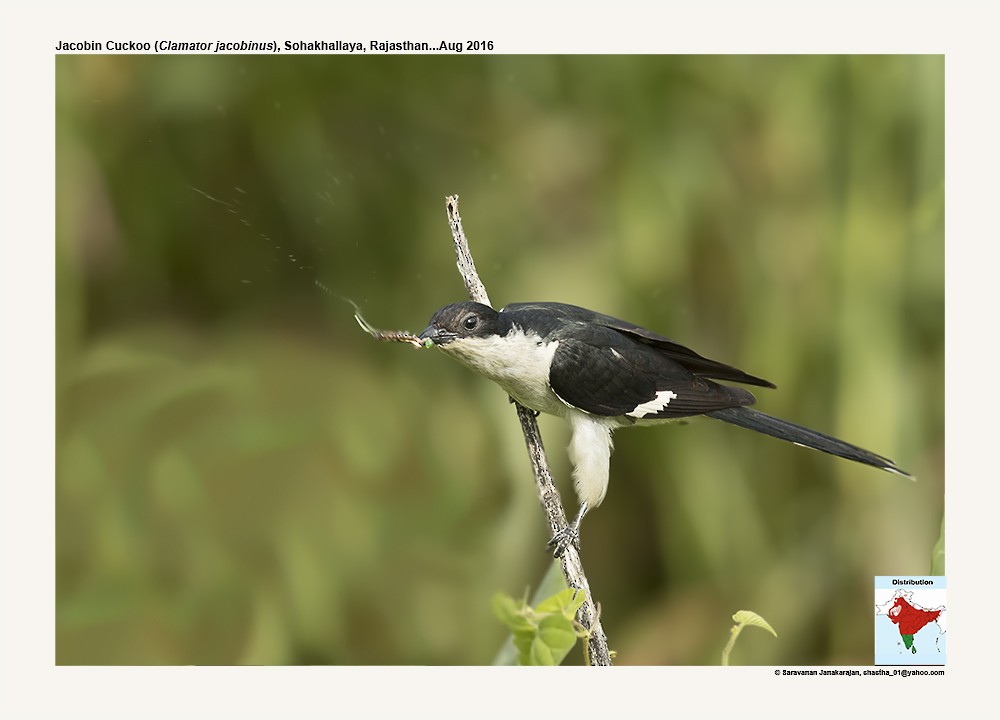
{"x": 572, "y": 567}
{"x": 463, "y": 256}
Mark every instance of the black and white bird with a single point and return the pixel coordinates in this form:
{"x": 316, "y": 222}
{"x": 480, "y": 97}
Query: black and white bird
{"x": 601, "y": 374}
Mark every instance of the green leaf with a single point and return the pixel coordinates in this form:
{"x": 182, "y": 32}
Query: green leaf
{"x": 565, "y": 602}
{"x": 558, "y": 633}
{"x": 540, "y": 654}
{"x": 551, "y": 583}
{"x": 511, "y": 612}
{"x": 743, "y": 618}
{"x": 749, "y": 617}
{"x": 543, "y": 635}
{"x": 525, "y": 644}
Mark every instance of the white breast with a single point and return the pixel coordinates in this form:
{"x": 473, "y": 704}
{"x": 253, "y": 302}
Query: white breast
{"x": 518, "y": 362}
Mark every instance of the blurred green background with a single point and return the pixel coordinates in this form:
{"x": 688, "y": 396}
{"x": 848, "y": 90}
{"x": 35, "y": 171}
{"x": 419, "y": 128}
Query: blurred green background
{"x": 243, "y": 476}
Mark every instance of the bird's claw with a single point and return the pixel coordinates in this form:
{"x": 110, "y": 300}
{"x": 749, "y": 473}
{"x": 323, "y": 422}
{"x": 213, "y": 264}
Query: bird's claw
{"x": 569, "y": 535}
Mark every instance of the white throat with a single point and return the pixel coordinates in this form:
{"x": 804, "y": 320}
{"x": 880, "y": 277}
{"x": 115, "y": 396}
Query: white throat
{"x": 518, "y": 362}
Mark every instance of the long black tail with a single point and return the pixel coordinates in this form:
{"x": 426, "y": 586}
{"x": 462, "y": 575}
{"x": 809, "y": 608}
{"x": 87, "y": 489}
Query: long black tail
{"x": 784, "y": 430}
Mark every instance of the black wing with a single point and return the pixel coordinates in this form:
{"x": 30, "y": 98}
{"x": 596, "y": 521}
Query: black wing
{"x": 604, "y": 372}
{"x": 687, "y": 358}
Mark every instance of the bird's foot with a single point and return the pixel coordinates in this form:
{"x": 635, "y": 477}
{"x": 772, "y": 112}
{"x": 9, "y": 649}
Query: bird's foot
{"x": 560, "y": 542}
{"x": 569, "y": 535}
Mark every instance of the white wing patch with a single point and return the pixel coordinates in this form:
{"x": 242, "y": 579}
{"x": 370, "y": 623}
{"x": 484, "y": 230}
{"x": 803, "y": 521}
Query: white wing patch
{"x": 654, "y": 406}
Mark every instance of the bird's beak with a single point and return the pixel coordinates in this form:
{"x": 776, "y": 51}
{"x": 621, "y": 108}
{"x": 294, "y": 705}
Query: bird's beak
{"x": 436, "y": 335}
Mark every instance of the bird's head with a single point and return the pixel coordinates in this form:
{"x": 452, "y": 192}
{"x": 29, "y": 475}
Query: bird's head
{"x": 463, "y": 320}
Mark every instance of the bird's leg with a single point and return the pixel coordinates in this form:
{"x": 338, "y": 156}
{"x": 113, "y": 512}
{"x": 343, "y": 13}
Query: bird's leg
{"x": 569, "y": 535}
{"x": 590, "y": 451}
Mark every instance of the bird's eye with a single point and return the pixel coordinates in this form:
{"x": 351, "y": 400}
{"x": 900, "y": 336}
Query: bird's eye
{"x": 470, "y": 322}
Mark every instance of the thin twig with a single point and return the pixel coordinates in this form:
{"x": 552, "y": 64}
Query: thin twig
{"x": 572, "y": 567}
{"x": 463, "y": 256}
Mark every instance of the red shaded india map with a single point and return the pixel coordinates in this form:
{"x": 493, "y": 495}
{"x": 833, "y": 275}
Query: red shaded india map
{"x": 910, "y": 619}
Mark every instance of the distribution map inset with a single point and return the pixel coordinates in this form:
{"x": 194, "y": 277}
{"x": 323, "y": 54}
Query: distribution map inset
{"x": 910, "y": 624}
